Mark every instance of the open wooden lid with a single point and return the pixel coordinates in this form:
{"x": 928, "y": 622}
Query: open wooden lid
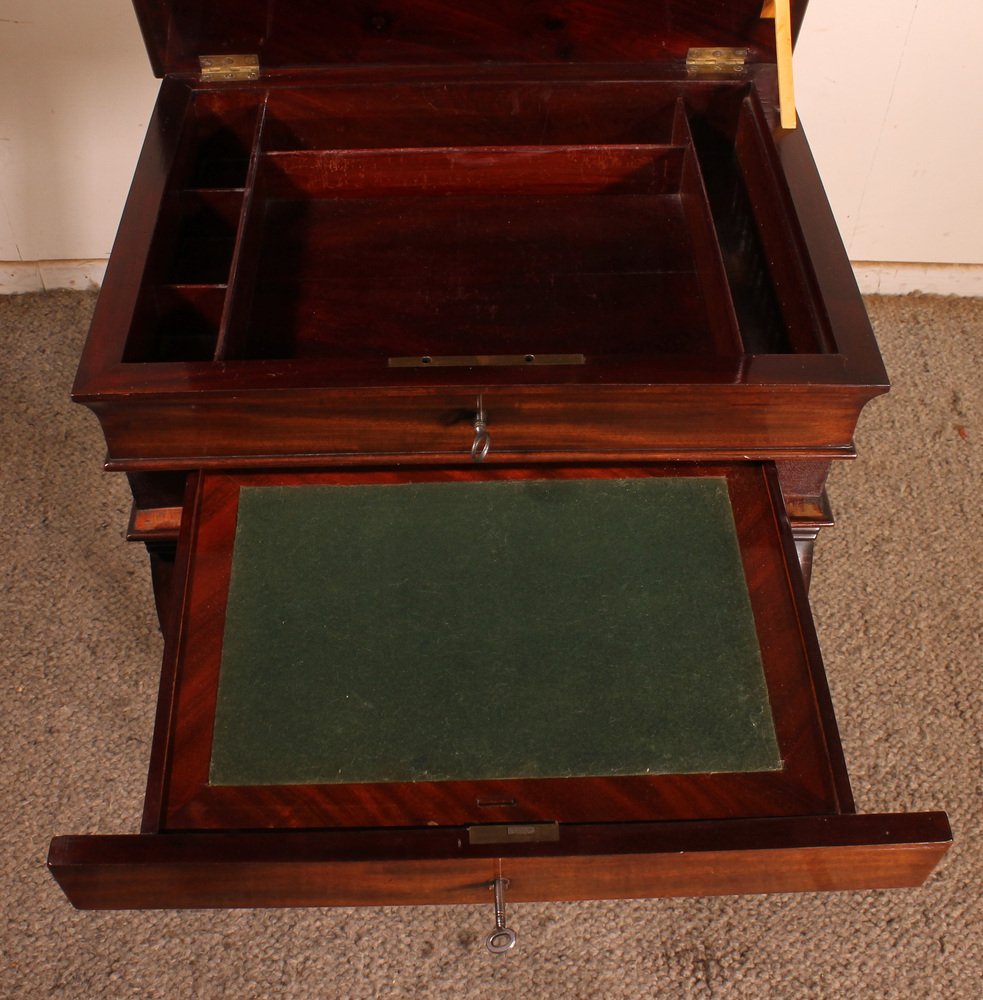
{"x": 310, "y": 33}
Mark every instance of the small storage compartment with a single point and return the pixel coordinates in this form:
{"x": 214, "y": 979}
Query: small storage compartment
{"x": 556, "y": 250}
{"x": 558, "y": 222}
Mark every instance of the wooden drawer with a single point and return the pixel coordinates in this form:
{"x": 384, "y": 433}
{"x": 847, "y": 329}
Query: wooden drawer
{"x": 747, "y": 793}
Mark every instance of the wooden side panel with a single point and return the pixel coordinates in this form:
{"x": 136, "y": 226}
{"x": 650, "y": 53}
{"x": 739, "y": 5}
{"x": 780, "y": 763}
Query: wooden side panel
{"x": 367, "y": 868}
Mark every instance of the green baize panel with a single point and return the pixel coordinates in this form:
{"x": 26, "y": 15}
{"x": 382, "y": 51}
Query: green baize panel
{"x": 497, "y": 629}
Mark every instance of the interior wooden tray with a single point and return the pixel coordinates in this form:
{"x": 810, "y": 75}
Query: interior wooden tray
{"x": 562, "y": 225}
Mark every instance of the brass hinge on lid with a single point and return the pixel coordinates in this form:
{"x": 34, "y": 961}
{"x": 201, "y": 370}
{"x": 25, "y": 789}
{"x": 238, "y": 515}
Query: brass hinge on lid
{"x": 715, "y": 60}
{"x": 222, "y": 69}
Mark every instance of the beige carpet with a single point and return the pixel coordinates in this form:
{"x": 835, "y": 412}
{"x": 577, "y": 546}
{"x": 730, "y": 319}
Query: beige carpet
{"x": 897, "y": 597}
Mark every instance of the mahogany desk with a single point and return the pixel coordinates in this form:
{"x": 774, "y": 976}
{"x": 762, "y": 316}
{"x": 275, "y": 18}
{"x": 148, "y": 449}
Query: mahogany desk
{"x": 547, "y": 246}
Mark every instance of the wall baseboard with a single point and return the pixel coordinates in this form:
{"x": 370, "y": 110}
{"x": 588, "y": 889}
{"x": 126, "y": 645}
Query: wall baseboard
{"x": 45, "y": 275}
{"x": 874, "y": 277}
{"x": 887, "y": 278}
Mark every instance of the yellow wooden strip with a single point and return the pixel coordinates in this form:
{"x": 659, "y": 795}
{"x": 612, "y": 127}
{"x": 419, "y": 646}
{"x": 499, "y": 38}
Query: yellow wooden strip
{"x": 783, "y": 47}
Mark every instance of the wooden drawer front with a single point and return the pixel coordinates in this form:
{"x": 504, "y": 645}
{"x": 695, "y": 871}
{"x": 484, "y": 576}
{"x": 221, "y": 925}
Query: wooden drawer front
{"x": 318, "y": 427}
{"x": 431, "y": 866}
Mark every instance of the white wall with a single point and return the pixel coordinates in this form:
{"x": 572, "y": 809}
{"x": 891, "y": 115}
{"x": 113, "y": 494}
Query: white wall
{"x": 890, "y": 94}
{"x": 887, "y": 90}
{"x": 76, "y": 94}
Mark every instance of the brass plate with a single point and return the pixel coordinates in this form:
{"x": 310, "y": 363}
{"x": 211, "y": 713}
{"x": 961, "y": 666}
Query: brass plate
{"x": 483, "y": 360}
{"x": 514, "y": 833}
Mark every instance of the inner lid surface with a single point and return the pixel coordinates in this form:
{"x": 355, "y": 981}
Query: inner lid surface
{"x": 483, "y": 630}
{"x": 285, "y": 33}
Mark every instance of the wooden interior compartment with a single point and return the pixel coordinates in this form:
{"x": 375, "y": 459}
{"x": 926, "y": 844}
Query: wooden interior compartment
{"x": 768, "y": 270}
{"x": 184, "y": 284}
{"x": 183, "y": 296}
{"x": 556, "y": 250}
{"x": 220, "y": 138}
{"x": 621, "y": 221}
{"x": 499, "y": 219}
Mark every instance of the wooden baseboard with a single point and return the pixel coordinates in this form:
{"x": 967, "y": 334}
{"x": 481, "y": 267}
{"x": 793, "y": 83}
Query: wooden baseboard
{"x": 892, "y": 278}
{"x": 874, "y": 277}
{"x": 18, "y": 276}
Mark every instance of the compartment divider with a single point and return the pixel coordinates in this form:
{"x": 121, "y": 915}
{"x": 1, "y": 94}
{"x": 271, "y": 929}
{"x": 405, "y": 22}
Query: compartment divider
{"x": 185, "y": 321}
{"x": 719, "y": 303}
{"x": 205, "y": 237}
{"x": 224, "y": 125}
{"x": 807, "y": 326}
{"x": 245, "y": 253}
{"x": 561, "y": 169}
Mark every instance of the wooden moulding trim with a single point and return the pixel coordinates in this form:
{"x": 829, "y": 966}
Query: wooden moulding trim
{"x": 314, "y": 460}
{"x": 163, "y": 380}
{"x": 523, "y": 427}
{"x": 610, "y": 861}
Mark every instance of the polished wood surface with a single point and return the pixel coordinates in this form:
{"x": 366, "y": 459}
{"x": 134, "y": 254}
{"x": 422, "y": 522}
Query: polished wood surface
{"x": 263, "y": 313}
{"x": 512, "y": 178}
{"x": 611, "y": 861}
{"x": 310, "y": 33}
{"x": 812, "y": 778}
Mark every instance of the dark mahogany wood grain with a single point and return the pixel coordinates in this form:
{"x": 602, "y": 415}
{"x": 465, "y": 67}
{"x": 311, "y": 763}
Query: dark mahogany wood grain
{"x": 812, "y": 778}
{"x": 485, "y": 112}
{"x": 611, "y": 861}
{"x": 579, "y": 424}
{"x": 719, "y": 303}
{"x": 613, "y": 272}
{"x": 311, "y": 33}
{"x": 482, "y": 167}
{"x": 394, "y": 163}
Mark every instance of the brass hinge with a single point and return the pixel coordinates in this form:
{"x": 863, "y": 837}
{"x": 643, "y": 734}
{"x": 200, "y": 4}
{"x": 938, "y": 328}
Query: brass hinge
{"x": 229, "y": 68}
{"x": 715, "y": 60}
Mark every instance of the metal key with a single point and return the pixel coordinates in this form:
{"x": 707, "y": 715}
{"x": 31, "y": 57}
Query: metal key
{"x": 502, "y": 938}
{"x": 482, "y": 439}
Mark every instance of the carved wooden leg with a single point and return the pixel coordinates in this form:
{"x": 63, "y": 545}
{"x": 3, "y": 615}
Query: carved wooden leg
{"x": 804, "y": 490}
{"x": 161, "y": 573}
{"x": 805, "y": 541}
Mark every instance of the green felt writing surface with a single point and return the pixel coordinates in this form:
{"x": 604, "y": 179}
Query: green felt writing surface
{"x": 502, "y": 629}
